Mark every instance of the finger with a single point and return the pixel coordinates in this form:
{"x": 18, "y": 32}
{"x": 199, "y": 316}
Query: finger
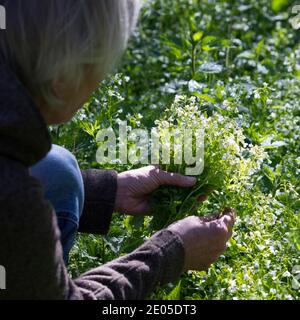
{"x": 175, "y": 179}
{"x": 202, "y": 198}
{"x": 210, "y": 218}
{"x": 230, "y": 211}
{"x": 228, "y": 218}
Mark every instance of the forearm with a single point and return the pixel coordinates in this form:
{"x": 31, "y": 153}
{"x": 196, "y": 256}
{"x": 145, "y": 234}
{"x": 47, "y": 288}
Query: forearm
{"x": 159, "y": 261}
{"x": 32, "y": 255}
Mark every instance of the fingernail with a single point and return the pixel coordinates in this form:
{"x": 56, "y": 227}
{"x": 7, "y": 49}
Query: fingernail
{"x": 191, "y": 180}
{"x": 201, "y": 198}
{"x": 229, "y": 210}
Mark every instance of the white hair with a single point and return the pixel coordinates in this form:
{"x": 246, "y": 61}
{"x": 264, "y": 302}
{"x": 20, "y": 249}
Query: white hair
{"x": 47, "y": 40}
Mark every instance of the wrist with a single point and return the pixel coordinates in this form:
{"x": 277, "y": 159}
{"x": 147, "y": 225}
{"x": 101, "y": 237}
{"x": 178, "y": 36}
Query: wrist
{"x": 120, "y": 194}
{"x": 117, "y": 197}
{"x": 175, "y": 229}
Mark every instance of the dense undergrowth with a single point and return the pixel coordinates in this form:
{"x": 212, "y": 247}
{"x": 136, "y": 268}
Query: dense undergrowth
{"x": 233, "y": 69}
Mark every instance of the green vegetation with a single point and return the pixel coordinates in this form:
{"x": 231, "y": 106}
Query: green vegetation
{"x": 231, "y": 68}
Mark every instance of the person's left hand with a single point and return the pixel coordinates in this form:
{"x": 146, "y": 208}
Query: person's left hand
{"x": 136, "y": 186}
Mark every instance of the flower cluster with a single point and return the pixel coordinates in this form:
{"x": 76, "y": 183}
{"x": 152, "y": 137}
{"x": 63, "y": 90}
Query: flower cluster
{"x": 229, "y": 163}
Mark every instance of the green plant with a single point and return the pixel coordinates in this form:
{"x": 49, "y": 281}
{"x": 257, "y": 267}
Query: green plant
{"x": 240, "y": 60}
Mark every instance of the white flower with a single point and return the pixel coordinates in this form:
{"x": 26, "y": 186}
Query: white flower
{"x": 153, "y": 107}
{"x": 273, "y": 274}
{"x": 260, "y": 247}
{"x": 272, "y": 249}
{"x": 286, "y": 274}
{"x": 256, "y": 95}
{"x": 259, "y": 282}
{"x": 244, "y": 287}
{"x": 226, "y": 104}
{"x": 272, "y": 290}
{"x": 179, "y": 98}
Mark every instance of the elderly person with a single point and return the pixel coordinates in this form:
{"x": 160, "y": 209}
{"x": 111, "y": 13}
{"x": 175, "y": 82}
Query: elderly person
{"x": 53, "y": 54}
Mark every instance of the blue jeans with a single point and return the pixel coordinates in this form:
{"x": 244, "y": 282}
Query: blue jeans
{"x": 61, "y": 178}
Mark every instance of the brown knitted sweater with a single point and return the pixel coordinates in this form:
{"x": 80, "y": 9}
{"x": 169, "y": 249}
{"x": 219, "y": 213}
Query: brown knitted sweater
{"x": 30, "y": 249}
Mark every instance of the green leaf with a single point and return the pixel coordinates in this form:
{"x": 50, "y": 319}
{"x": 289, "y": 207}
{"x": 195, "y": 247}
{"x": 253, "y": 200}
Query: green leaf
{"x": 226, "y": 43}
{"x": 137, "y": 221}
{"x": 176, "y": 52}
{"x": 210, "y": 43}
{"x": 278, "y": 5}
{"x": 198, "y": 36}
{"x": 269, "y": 173}
{"x": 259, "y": 47}
{"x": 210, "y": 39}
{"x": 175, "y": 293}
{"x": 204, "y": 97}
{"x": 246, "y": 55}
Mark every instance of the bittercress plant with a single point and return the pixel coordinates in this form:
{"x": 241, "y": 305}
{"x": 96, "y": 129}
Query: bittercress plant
{"x": 229, "y": 163}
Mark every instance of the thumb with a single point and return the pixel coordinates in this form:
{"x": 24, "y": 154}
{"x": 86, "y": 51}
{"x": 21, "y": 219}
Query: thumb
{"x": 228, "y": 217}
{"x": 175, "y": 179}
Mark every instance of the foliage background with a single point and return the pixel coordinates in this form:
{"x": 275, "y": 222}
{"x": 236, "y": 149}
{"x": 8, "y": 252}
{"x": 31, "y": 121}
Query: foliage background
{"x": 240, "y": 59}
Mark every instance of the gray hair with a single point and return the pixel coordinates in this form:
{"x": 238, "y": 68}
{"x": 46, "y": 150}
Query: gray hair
{"x": 54, "y": 39}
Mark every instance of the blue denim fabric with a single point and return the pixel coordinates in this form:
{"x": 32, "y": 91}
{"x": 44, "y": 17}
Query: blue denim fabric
{"x": 61, "y": 178}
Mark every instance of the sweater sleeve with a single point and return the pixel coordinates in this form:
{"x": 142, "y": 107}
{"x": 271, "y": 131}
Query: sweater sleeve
{"x": 31, "y": 252}
{"x": 134, "y": 276}
{"x": 100, "y": 192}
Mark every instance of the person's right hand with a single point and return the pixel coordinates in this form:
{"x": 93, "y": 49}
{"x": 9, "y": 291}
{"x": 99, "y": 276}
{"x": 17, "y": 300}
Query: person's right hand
{"x": 204, "y": 240}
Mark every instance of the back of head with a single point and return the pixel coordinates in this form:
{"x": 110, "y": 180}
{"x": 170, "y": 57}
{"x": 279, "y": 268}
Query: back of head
{"x": 57, "y": 39}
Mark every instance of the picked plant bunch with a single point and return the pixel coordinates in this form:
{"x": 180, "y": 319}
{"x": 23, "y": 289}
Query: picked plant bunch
{"x": 229, "y": 163}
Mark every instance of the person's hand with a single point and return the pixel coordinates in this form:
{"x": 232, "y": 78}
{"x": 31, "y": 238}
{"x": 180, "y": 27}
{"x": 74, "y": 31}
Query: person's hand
{"x": 204, "y": 239}
{"x": 136, "y": 186}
